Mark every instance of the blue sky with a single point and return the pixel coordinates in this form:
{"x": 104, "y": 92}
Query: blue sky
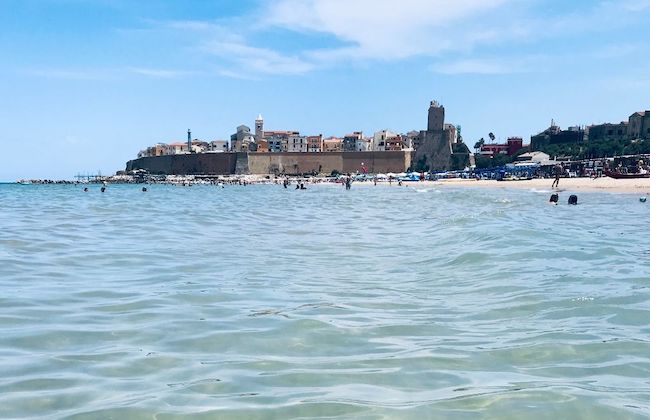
{"x": 86, "y": 84}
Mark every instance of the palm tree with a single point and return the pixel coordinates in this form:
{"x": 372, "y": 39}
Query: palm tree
{"x": 479, "y": 144}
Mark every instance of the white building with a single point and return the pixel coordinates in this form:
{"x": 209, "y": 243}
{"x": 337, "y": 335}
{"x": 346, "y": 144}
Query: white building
{"x": 177, "y": 148}
{"x": 217, "y": 146}
{"x": 364, "y": 144}
{"x": 297, "y": 144}
{"x": 379, "y": 140}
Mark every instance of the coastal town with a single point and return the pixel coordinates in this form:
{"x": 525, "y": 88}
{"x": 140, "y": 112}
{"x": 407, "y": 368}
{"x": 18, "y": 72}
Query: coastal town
{"x": 617, "y": 150}
{"x": 440, "y": 148}
{"x": 636, "y": 129}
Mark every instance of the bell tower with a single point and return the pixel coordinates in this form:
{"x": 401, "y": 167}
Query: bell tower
{"x": 259, "y": 128}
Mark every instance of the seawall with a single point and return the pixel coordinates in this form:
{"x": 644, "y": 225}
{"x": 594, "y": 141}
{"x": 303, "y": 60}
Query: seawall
{"x": 274, "y": 163}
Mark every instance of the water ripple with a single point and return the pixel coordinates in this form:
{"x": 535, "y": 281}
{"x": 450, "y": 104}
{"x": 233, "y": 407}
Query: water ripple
{"x": 380, "y": 302}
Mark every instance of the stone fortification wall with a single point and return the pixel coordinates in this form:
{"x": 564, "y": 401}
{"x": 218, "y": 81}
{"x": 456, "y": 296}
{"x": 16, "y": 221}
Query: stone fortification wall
{"x": 377, "y": 162}
{"x": 328, "y": 162}
{"x": 195, "y": 164}
{"x": 294, "y": 163}
{"x": 274, "y": 163}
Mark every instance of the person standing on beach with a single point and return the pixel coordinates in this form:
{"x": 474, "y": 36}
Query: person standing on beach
{"x": 558, "y": 173}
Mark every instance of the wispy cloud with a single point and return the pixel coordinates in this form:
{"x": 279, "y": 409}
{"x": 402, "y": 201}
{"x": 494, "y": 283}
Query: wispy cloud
{"x": 160, "y": 73}
{"x": 107, "y": 74}
{"x": 635, "y": 5}
{"x": 383, "y": 29}
{"x": 366, "y": 31}
{"x": 257, "y": 60}
{"x": 495, "y": 65}
{"x": 236, "y": 75}
{"x": 73, "y": 74}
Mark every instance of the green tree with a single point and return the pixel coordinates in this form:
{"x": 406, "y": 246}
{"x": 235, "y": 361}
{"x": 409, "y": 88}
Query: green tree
{"x": 479, "y": 144}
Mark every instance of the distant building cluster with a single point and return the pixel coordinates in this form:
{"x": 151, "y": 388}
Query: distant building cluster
{"x": 637, "y": 127}
{"x": 289, "y": 141}
{"x": 182, "y": 148}
{"x": 555, "y": 135}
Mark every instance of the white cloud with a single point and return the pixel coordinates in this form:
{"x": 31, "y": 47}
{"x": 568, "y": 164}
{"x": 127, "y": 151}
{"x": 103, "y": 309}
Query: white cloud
{"x": 257, "y": 60}
{"x": 383, "y": 29}
{"x": 366, "y": 31}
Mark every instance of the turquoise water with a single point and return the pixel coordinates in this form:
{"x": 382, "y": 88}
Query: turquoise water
{"x": 260, "y": 302}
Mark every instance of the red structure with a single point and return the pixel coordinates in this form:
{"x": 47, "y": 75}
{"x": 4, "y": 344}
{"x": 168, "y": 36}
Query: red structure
{"x": 513, "y": 145}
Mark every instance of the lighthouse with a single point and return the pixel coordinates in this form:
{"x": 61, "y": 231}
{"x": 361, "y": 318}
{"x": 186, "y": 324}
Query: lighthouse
{"x": 189, "y": 141}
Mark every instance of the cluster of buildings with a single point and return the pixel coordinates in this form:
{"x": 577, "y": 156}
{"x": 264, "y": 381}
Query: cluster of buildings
{"x": 636, "y": 128}
{"x": 288, "y": 141}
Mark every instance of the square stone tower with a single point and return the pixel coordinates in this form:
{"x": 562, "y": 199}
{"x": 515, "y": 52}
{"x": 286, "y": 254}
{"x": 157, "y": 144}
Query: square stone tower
{"x": 436, "y": 151}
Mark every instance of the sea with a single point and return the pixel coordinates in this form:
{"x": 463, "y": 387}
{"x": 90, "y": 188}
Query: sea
{"x": 259, "y": 302}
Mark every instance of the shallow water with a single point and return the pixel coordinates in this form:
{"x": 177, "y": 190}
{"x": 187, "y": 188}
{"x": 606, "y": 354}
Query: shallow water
{"x": 261, "y": 302}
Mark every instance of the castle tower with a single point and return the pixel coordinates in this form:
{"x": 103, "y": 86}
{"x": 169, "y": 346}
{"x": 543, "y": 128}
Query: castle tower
{"x": 259, "y": 128}
{"x": 436, "y": 117}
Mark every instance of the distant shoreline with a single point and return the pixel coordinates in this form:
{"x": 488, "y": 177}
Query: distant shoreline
{"x": 602, "y": 184}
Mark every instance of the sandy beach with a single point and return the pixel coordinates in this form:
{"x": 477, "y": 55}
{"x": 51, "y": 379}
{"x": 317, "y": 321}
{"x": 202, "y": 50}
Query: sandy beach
{"x": 603, "y": 184}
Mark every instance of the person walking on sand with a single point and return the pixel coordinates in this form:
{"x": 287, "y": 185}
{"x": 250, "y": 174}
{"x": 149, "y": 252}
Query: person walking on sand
{"x": 558, "y": 173}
